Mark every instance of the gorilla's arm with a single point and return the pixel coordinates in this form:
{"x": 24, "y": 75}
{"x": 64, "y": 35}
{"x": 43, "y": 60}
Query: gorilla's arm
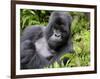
{"x": 34, "y": 48}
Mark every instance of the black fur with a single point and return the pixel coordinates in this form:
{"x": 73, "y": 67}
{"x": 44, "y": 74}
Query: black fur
{"x": 57, "y": 39}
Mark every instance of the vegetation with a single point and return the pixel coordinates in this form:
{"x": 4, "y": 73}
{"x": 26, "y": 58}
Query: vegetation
{"x": 80, "y": 35}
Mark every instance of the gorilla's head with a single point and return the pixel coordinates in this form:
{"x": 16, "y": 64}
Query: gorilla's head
{"x": 58, "y": 30}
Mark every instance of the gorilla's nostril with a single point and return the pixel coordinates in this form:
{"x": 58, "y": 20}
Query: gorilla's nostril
{"x": 57, "y": 35}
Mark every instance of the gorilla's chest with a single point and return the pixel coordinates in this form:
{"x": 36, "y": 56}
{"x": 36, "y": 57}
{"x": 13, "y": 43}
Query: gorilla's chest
{"x": 42, "y": 47}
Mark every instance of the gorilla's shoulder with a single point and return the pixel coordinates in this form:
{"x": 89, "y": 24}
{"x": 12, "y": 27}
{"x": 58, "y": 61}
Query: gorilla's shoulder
{"x": 31, "y": 31}
{"x": 31, "y": 28}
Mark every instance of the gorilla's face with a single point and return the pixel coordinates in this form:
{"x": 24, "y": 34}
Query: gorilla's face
{"x": 58, "y": 38}
{"x": 60, "y": 30}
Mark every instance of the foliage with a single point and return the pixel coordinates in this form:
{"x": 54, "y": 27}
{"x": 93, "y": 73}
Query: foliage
{"x": 80, "y": 35}
{"x": 33, "y": 17}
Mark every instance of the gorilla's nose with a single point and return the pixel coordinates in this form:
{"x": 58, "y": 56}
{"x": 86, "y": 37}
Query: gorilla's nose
{"x": 57, "y": 35}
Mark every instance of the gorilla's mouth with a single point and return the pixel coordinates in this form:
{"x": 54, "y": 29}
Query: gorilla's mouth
{"x": 54, "y": 44}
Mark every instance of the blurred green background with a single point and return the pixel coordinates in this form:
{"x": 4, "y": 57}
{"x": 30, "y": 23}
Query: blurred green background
{"x": 80, "y": 35}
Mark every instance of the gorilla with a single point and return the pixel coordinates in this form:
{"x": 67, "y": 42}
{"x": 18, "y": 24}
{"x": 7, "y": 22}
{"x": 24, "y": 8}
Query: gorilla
{"x": 40, "y": 46}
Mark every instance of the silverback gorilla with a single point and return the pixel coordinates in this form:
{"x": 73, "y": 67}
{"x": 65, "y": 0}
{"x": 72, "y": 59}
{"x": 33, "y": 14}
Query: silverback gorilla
{"x": 41, "y": 46}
